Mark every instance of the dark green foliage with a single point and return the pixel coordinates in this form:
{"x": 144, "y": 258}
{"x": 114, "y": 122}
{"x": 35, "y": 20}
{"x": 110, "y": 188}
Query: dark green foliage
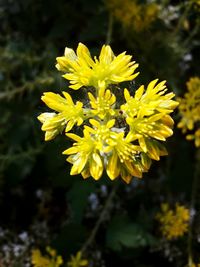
{"x": 124, "y": 233}
{"x": 37, "y": 193}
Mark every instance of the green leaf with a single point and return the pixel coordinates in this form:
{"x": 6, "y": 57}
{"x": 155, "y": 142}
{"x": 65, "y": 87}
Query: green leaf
{"x": 78, "y": 196}
{"x": 70, "y": 238}
{"x": 123, "y": 233}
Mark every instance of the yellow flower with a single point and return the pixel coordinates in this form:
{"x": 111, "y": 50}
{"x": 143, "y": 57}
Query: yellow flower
{"x": 105, "y": 146}
{"x": 189, "y": 110}
{"x": 77, "y": 261}
{"x": 101, "y": 147}
{"x": 132, "y": 14}
{"x": 82, "y": 70}
{"x": 147, "y": 114}
{"x": 68, "y": 114}
{"x": 195, "y": 137}
{"x": 148, "y": 102}
{"x": 119, "y": 137}
{"x": 174, "y": 223}
{"x": 38, "y": 260}
{"x": 51, "y": 260}
{"x": 85, "y": 155}
{"x": 195, "y": 265}
{"x": 102, "y": 106}
{"x": 125, "y": 159}
{"x": 197, "y": 2}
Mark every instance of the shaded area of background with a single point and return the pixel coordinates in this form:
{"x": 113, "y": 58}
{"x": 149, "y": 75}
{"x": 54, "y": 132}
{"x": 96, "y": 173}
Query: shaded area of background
{"x": 40, "y": 203}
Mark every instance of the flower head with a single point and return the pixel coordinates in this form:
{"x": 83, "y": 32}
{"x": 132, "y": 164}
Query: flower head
{"x": 132, "y": 14}
{"x": 174, "y": 223}
{"x": 147, "y": 114}
{"x": 101, "y": 147}
{"x": 120, "y": 136}
{"x": 82, "y": 70}
{"x": 189, "y": 110}
{"x": 196, "y": 2}
{"x": 195, "y": 265}
{"x": 103, "y": 104}
{"x": 68, "y": 114}
{"x": 77, "y": 261}
{"x": 50, "y": 260}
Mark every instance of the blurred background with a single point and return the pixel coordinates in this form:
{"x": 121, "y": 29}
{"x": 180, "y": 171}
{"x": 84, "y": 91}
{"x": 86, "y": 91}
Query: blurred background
{"x": 40, "y": 203}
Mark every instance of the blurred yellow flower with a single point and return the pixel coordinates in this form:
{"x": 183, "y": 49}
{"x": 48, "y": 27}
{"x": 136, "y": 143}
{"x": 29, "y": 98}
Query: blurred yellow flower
{"x": 197, "y": 2}
{"x": 133, "y": 14}
{"x": 82, "y": 70}
{"x": 189, "y": 110}
{"x": 195, "y": 265}
{"x": 174, "y": 223}
{"x": 77, "y": 261}
{"x": 50, "y": 260}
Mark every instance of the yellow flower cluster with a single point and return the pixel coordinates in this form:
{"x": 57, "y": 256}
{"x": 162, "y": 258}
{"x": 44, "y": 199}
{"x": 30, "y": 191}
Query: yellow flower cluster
{"x": 189, "y": 109}
{"x": 52, "y": 260}
{"x": 66, "y": 117}
{"x": 133, "y": 14}
{"x": 82, "y": 70}
{"x": 195, "y": 265}
{"x": 197, "y": 2}
{"x": 174, "y": 223}
{"x": 77, "y": 261}
{"x": 49, "y": 260}
{"x": 120, "y": 136}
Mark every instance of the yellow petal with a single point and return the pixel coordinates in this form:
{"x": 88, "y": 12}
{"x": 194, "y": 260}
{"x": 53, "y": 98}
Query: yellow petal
{"x": 84, "y": 53}
{"x": 151, "y": 85}
{"x": 142, "y": 144}
{"x": 70, "y": 54}
{"x": 146, "y": 161}
{"x": 71, "y": 150}
{"x": 139, "y": 92}
{"x": 96, "y": 167}
{"x": 62, "y": 64}
{"x": 49, "y": 135}
{"x": 69, "y": 126}
{"x": 110, "y": 123}
{"x": 68, "y": 97}
{"x": 74, "y": 137}
{"x": 85, "y": 173}
{"x": 106, "y": 55}
{"x": 126, "y": 95}
{"x": 78, "y": 165}
{"x": 132, "y": 169}
{"x": 113, "y": 168}
{"x": 126, "y": 176}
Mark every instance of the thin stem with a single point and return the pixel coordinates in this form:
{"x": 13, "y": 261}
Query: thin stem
{"x": 11, "y": 93}
{"x": 192, "y": 34}
{"x": 182, "y": 18}
{"x": 110, "y": 29}
{"x": 101, "y": 218}
{"x": 165, "y": 3}
{"x": 192, "y": 205}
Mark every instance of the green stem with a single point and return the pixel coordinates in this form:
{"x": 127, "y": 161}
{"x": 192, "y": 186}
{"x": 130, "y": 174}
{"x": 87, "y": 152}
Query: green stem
{"x": 192, "y": 206}
{"x": 192, "y": 34}
{"x": 182, "y": 18}
{"x": 110, "y": 29}
{"x": 101, "y": 218}
{"x": 165, "y": 3}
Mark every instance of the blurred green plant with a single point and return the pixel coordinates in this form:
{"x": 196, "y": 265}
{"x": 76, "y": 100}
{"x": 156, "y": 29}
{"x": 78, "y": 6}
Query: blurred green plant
{"x": 40, "y": 203}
